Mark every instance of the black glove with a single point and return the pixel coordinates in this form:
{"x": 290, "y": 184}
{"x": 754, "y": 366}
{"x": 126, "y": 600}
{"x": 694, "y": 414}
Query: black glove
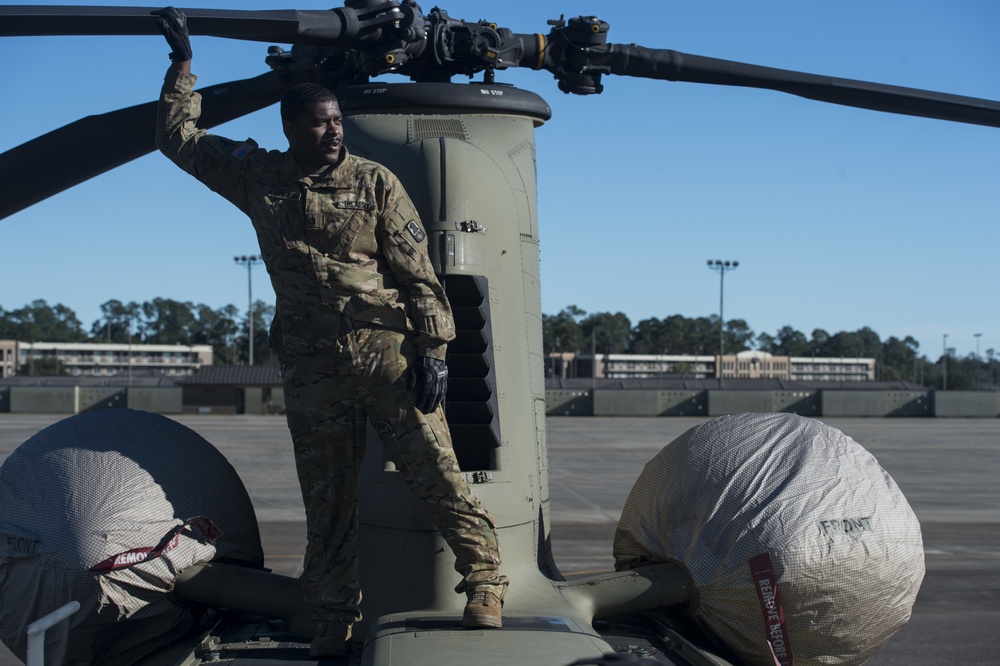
{"x": 174, "y": 26}
{"x": 430, "y": 377}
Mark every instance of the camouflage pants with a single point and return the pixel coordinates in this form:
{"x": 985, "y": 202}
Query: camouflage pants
{"x": 328, "y": 407}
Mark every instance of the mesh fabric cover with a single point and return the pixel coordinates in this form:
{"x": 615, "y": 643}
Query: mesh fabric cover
{"x": 95, "y": 486}
{"x": 779, "y": 517}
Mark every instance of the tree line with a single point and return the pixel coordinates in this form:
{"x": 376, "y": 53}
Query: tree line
{"x": 574, "y": 330}
{"x": 165, "y": 321}
{"x": 161, "y": 321}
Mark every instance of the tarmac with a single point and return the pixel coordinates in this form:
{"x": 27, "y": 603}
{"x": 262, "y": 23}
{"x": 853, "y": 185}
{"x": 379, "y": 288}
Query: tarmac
{"x": 948, "y": 469}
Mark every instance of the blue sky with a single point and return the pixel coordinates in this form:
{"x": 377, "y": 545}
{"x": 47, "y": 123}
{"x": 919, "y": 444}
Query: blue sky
{"x": 840, "y": 218}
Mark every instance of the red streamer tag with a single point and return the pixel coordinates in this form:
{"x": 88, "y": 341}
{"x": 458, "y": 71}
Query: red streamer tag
{"x": 775, "y": 632}
{"x": 170, "y": 541}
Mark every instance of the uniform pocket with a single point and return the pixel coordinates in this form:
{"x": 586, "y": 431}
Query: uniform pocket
{"x": 333, "y": 234}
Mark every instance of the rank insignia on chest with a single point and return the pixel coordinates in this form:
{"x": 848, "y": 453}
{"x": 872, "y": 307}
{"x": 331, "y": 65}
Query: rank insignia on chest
{"x": 290, "y": 195}
{"x": 355, "y": 205}
{"x": 415, "y": 231}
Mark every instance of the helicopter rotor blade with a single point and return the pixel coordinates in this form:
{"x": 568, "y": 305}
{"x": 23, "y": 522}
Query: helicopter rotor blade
{"x": 339, "y": 26}
{"x": 93, "y": 145}
{"x": 638, "y": 61}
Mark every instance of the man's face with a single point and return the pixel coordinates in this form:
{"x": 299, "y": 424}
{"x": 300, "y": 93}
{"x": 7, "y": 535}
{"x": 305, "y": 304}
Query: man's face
{"x": 316, "y": 137}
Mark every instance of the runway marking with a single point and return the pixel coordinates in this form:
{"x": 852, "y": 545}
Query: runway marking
{"x": 593, "y": 505}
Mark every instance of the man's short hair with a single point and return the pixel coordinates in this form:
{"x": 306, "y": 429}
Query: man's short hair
{"x": 297, "y": 98}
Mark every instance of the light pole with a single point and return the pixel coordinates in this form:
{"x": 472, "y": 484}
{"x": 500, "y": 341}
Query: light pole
{"x": 721, "y": 267}
{"x": 944, "y": 364}
{"x": 992, "y": 371}
{"x": 249, "y": 262}
{"x": 130, "y": 351}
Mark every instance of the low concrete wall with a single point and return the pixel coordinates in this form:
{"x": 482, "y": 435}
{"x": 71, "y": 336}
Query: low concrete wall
{"x": 567, "y": 402}
{"x": 683, "y": 403}
{"x": 815, "y": 403}
{"x": 559, "y": 402}
{"x": 43, "y": 400}
{"x": 852, "y": 403}
{"x": 626, "y": 403}
{"x": 723, "y": 402}
{"x": 875, "y": 403}
{"x": 90, "y": 399}
{"x": 76, "y": 399}
{"x": 803, "y": 403}
{"x": 166, "y": 400}
{"x": 966, "y": 404}
{"x": 277, "y": 400}
{"x": 648, "y": 402}
{"x": 255, "y": 403}
{"x": 909, "y": 403}
{"x": 253, "y": 400}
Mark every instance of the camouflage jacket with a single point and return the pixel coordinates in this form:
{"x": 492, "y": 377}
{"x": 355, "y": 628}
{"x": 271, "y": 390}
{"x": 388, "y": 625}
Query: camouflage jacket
{"x": 344, "y": 247}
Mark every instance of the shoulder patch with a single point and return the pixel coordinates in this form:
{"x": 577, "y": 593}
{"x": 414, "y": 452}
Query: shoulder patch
{"x": 415, "y": 231}
{"x": 241, "y": 151}
{"x": 355, "y": 205}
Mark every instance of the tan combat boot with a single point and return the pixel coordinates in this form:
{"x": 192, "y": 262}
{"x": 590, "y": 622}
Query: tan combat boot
{"x": 331, "y": 641}
{"x": 483, "y": 610}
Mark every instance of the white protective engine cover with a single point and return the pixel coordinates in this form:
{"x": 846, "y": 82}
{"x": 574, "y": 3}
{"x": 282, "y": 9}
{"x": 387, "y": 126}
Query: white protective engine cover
{"x": 98, "y": 508}
{"x": 800, "y": 548}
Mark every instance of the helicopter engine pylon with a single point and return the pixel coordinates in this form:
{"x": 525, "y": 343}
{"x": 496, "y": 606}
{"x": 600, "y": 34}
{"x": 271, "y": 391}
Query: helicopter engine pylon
{"x": 468, "y": 161}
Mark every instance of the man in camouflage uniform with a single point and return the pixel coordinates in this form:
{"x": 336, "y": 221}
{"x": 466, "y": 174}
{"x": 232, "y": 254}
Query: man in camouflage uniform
{"x": 361, "y": 329}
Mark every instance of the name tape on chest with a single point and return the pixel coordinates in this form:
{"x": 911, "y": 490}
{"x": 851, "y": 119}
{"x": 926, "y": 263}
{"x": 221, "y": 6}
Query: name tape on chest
{"x": 415, "y": 231}
{"x": 355, "y": 205}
